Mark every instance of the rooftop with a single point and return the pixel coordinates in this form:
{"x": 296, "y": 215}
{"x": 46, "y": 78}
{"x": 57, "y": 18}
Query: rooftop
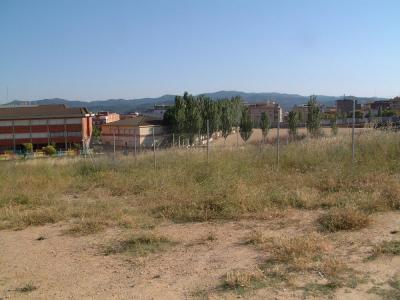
{"x": 41, "y": 111}
{"x": 137, "y": 121}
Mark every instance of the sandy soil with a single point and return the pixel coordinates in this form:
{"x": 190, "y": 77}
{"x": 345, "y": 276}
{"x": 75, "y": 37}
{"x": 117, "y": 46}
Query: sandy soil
{"x": 67, "y": 267}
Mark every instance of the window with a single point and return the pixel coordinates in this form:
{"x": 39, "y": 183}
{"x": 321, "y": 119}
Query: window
{"x": 39, "y": 122}
{"x": 74, "y": 133}
{"x": 56, "y": 121}
{"x": 21, "y": 123}
{"x": 5, "y": 123}
{"x": 39, "y": 135}
{"x": 73, "y": 121}
{"x": 6, "y": 136}
{"x": 22, "y": 135}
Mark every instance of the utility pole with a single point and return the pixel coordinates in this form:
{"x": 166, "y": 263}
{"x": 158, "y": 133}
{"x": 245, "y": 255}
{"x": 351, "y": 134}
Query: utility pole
{"x": 352, "y": 131}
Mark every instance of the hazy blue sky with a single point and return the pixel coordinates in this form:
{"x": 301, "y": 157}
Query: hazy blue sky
{"x": 129, "y": 49}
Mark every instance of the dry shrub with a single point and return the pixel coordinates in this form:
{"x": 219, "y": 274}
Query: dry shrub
{"x": 298, "y": 253}
{"x": 307, "y": 255}
{"x": 255, "y": 237}
{"x": 242, "y": 278}
{"x": 346, "y": 218}
{"x": 386, "y": 248}
{"x": 86, "y": 226}
{"x": 139, "y": 245}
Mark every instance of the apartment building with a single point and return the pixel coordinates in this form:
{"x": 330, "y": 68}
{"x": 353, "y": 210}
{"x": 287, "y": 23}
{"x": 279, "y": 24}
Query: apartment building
{"x": 272, "y": 109}
{"x": 136, "y": 130}
{"x": 42, "y": 125}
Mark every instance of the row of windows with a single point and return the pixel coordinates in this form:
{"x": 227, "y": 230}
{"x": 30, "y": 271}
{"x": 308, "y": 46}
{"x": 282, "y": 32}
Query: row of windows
{"x": 35, "y": 135}
{"x": 41, "y": 122}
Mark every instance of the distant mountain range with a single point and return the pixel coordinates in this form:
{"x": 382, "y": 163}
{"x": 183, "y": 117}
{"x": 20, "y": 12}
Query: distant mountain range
{"x": 287, "y": 101}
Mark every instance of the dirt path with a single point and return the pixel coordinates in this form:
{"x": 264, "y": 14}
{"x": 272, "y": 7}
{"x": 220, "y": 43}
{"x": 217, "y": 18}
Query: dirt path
{"x": 65, "y": 267}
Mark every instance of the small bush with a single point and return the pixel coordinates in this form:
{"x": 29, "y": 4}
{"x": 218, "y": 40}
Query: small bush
{"x": 298, "y": 253}
{"x": 343, "y": 219}
{"x": 85, "y": 227}
{"x": 27, "y": 288}
{"x": 49, "y": 150}
{"x": 242, "y": 278}
{"x": 139, "y": 245}
{"x": 386, "y": 248}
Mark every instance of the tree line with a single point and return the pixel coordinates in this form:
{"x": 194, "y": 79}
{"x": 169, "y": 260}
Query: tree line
{"x": 189, "y": 115}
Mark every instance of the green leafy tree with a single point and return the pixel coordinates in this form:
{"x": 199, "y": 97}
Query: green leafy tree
{"x": 28, "y": 147}
{"x": 246, "y": 124}
{"x": 226, "y": 119}
{"x": 49, "y": 150}
{"x": 334, "y": 128}
{"x": 193, "y": 117}
{"x": 264, "y": 125}
{"x": 314, "y": 117}
{"x": 96, "y": 132}
{"x": 293, "y": 123}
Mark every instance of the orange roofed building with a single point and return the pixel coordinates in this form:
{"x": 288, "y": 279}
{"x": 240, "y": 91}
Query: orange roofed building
{"x": 42, "y": 125}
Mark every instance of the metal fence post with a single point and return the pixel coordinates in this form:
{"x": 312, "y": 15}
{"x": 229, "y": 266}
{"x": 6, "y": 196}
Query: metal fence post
{"x": 277, "y": 144}
{"x": 114, "y": 146}
{"x": 208, "y": 140}
{"x": 154, "y": 150}
{"x": 135, "y": 144}
{"x": 352, "y": 132}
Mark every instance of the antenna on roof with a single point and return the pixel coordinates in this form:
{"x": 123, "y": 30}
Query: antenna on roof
{"x": 7, "y": 94}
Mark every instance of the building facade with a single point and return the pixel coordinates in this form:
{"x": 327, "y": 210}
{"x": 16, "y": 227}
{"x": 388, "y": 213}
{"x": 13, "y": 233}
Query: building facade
{"x": 43, "y": 125}
{"x": 344, "y": 107}
{"x": 105, "y": 117}
{"x": 272, "y": 109}
{"x": 302, "y": 112}
{"x": 136, "y": 131}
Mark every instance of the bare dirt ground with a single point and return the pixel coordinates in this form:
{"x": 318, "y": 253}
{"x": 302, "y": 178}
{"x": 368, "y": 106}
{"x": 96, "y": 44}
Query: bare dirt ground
{"x": 61, "y": 266}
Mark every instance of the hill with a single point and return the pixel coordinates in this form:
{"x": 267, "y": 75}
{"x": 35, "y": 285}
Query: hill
{"x": 127, "y": 105}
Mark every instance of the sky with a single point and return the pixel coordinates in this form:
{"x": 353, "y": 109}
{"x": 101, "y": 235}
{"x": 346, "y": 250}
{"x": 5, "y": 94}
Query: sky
{"x": 98, "y": 49}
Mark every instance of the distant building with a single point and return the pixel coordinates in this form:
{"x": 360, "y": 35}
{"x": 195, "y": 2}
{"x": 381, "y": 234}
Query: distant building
{"x": 105, "y": 117}
{"x": 344, "y": 107}
{"x": 129, "y": 115}
{"x": 302, "y": 112}
{"x": 272, "y": 109}
{"x": 42, "y": 125}
{"x": 157, "y": 112}
{"x": 126, "y": 132}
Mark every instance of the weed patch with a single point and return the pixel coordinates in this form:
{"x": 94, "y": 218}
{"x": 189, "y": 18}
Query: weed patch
{"x": 343, "y": 219}
{"x": 139, "y": 245}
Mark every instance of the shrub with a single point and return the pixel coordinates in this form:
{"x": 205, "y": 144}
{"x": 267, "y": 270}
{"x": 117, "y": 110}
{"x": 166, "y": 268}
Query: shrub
{"x": 142, "y": 244}
{"x": 242, "y": 278}
{"x": 49, "y": 150}
{"x": 345, "y": 218}
{"x": 386, "y": 248}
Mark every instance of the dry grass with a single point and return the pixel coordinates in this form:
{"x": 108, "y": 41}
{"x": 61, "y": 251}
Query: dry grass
{"x": 386, "y": 248}
{"x": 139, "y": 245}
{"x": 308, "y": 255}
{"x": 239, "y": 279}
{"x": 313, "y": 173}
{"x": 347, "y": 218}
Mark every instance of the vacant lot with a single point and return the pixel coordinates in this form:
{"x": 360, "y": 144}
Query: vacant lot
{"x": 319, "y": 226}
